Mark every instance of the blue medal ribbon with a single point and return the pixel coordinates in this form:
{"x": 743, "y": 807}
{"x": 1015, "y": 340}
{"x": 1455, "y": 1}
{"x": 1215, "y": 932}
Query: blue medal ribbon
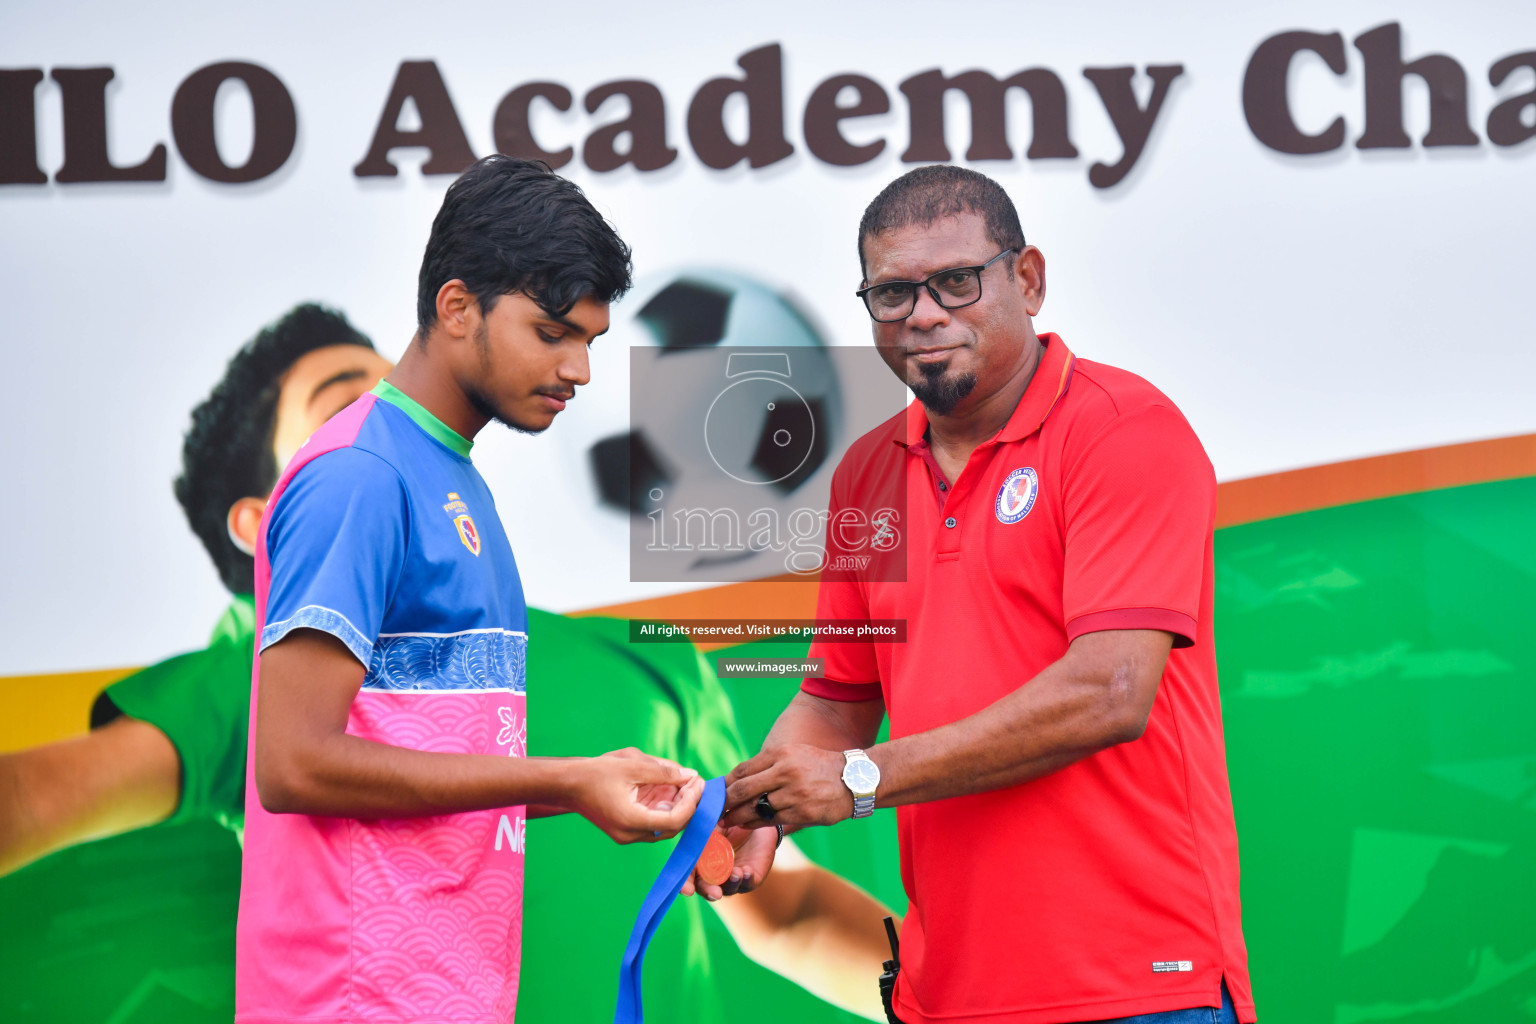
{"x": 631, "y": 1010}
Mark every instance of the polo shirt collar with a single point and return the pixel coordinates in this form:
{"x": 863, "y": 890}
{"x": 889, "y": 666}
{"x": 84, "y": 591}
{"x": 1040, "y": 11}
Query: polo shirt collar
{"x": 1050, "y": 382}
{"x": 435, "y": 428}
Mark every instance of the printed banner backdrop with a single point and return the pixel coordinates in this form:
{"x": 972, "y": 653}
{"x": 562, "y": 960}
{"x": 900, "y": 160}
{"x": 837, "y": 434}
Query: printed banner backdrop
{"x": 1308, "y": 224}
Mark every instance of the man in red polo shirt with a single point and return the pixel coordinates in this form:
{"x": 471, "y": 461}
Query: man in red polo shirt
{"x": 1056, "y": 755}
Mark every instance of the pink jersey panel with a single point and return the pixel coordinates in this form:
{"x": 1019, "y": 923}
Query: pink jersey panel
{"x": 425, "y": 943}
{"x": 407, "y": 920}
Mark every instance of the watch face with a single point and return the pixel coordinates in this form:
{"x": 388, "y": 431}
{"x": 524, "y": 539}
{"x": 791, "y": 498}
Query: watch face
{"x": 861, "y": 776}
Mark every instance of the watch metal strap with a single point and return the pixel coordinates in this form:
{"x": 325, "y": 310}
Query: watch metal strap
{"x": 863, "y": 806}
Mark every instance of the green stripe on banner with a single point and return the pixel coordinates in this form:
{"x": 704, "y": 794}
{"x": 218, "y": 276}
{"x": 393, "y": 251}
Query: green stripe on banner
{"x": 1379, "y": 695}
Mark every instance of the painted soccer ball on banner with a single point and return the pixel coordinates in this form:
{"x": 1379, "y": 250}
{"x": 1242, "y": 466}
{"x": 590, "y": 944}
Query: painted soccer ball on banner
{"x": 732, "y": 403}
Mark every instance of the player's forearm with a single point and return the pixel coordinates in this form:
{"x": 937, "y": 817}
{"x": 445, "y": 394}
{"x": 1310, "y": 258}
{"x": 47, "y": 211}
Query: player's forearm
{"x": 350, "y": 777}
{"x": 546, "y": 811}
{"x": 306, "y": 762}
{"x": 1090, "y": 699}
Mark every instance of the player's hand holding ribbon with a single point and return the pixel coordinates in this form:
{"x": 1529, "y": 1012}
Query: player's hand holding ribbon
{"x": 634, "y": 797}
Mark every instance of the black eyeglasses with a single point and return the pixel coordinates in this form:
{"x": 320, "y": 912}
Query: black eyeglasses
{"x": 952, "y": 289}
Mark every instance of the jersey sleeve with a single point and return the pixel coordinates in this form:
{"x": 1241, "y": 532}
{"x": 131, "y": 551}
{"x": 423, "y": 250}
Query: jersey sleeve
{"x": 202, "y": 702}
{"x": 850, "y": 671}
{"x": 335, "y": 543}
{"x": 1140, "y": 505}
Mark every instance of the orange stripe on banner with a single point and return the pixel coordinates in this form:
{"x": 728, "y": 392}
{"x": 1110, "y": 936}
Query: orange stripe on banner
{"x": 1382, "y": 476}
{"x": 1237, "y": 502}
{"x": 777, "y": 597}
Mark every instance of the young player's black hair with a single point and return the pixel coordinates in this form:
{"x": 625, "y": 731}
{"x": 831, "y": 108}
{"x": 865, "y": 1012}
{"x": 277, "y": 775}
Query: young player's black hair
{"x": 227, "y": 454}
{"x": 926, "y": 194}
{"x": 511, "y": 225}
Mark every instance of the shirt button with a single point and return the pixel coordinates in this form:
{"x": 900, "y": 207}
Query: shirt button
{"x": 943, "y": 486}
{"x": 950, "y": 522}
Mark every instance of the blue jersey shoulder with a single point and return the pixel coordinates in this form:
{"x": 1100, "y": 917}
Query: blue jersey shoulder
{"x": 336, "y": 544}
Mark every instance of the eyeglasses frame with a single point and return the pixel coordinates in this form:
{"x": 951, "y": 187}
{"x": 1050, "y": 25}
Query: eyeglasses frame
{"x": 927, "y": 282}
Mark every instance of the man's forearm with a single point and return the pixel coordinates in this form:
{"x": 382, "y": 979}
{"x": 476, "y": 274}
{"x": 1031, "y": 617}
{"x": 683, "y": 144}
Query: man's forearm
{"x": 831, "y": 725}
{"x": 1100, "y": 693}
{"x": 1092, "y": 698}
{"x": 817, "y": 729}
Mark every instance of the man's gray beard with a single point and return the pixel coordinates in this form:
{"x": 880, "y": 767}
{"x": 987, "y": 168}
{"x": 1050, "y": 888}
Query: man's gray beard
{"x": 940, "y": 392}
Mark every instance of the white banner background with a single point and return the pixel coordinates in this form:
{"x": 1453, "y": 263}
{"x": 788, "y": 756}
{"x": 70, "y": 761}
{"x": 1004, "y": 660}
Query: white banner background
{"x": 1300, "y": 310}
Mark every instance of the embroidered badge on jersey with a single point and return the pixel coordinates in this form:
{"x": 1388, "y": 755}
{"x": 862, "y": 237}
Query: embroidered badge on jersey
{"x": 1017, "y": 495}
{"x": 463, "y": 523}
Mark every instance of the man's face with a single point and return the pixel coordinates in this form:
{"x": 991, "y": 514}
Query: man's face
{"x": 944, "y": 355}
{"x": 528, "y": 362}
{"x": 318, "y": 386}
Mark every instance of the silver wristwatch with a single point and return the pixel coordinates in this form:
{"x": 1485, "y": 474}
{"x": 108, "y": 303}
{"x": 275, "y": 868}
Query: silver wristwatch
{"x": 861, "y": 776}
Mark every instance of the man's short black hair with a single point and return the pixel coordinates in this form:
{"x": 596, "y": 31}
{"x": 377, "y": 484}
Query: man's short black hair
{"x": 227, "y": 454}
{"x": 511, "y": 225}
{"x": 926, "y": 194}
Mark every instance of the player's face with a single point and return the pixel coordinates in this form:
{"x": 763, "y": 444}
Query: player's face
{"x": 531, "y": 362}
{"x": 947, "y": 356}
{"x": 318, "y": 386}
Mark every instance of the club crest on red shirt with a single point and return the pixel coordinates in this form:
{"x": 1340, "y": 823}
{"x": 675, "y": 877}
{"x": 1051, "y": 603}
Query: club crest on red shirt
{"x": 1017, "y": 495}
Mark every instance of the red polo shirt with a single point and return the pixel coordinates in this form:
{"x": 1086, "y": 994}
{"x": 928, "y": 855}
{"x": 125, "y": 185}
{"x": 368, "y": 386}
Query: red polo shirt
{"x": 1108, "y": 888}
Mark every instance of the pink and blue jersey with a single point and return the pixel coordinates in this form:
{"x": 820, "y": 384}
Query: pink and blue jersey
{"x": 382, "y": 533}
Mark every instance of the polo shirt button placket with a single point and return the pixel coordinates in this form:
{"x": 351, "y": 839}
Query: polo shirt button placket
{"x": 948, "y": 548}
